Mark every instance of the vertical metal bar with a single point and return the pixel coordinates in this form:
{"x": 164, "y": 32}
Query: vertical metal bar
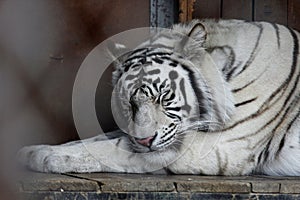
{"x": 253, "y": 10}
{"x": 221, "y": 9}
{"x": 163, "y": 13}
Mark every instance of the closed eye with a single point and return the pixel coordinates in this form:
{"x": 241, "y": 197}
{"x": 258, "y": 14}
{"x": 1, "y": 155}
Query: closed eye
{"x": 173, "y": 108}
{"x": 164, "y": 96}
{"x": 134, "y": 108}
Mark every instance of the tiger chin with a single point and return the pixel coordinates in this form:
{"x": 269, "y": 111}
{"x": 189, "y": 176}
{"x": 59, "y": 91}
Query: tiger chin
{"x": 210, "y": 97}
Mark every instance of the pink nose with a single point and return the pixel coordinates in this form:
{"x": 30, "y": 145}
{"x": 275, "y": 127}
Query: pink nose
{"x": 145, "y": 141}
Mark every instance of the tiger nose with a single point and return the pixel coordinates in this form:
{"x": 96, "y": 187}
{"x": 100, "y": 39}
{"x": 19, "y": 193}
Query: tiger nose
{"x": 146, "y": 141}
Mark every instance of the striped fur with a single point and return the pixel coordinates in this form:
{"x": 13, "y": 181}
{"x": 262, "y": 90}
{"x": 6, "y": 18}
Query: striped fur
{"x": 208, "y": 97}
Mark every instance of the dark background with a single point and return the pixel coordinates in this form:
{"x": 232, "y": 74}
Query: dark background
{"x": 42, "y": 44}
{"x": 285, "y": 12}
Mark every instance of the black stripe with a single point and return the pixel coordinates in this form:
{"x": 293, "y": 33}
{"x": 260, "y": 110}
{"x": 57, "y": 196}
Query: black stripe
{"x": 150, "y": 90}
{"x": 233, "y": 69}
{"x": 260, "y": 156}
{"x": 171, "y": 97}
{"x": 134, "y": 65}
{"x": 166, "y": 57}
{"x": 135, "y": 57}
{"x": 137, "y": 51}
{"x": 281, "y": 120}
{"x": 296, "y": 46}
{"x": 161, "y": 97}
{"x": 290, "y": 95}
{"x": 295, "y": 101}
{"x": 127, "y": 67}
{"x": 292, "y": 122}
{"x": 245, "y": 102}
{"x": 169, "y": 103}
{"x": 155, "y": 86}
{"x": 276, "y": 116}
{"x": 275, "y": 26}
{"x": 283, "y": 86}
{"x": 159, "y": 54}
{"x": 134, "y": 93}
{"x": 162, "y": 85}
{"x": 291, "y": 105}
{"x": 267, "y": 151}
{"x": 118, "y": 142}
{"x": 281, "y": 144}
{"x": 173, "y": 108}
{"x": 134, "y": 109}
{"x": 199, "y": 94}
{"x": 137, "y": 63}
{"x": 170, "y": 125}
{"x": 243, "y": 87}
{"x": 158, "y": 60}
{"x": 252, "y": 55}
{"x": 168, "y": 138}
{"x": 173, "y": 64}
{"x": 284, "y": 116}
{"x": 167, "y": 133}
{"x": 229, "y": 64}
{"x": 173, "y": 116}
{"x": 231, "y": 57}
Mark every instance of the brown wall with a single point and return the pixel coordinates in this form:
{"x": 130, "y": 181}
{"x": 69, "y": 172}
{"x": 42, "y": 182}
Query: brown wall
{"x": 42, "y": 44}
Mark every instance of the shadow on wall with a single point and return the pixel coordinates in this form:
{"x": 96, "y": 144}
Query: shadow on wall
{"x": 42, "y": 45}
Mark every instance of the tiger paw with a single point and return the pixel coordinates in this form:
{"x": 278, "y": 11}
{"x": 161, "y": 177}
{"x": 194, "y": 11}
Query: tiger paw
{"x": 40, "y": 158}
{"x": 57, "y": 159}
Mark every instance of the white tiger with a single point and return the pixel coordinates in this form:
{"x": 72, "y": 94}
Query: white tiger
{"x": 186, "y": 116}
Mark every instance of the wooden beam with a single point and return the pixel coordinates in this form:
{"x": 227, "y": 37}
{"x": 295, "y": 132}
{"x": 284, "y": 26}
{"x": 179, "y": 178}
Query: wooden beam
{"x": 207, "y": 9}
{"x": 294, "y": 14}
{"x": 163, "y": 13}
{"x": 186, "y": 8}
{"x": 233, "y": 9}
{"x": 271, "y": 11}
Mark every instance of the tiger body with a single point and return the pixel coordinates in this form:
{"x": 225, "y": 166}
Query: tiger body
{"x": 210, "y": 97}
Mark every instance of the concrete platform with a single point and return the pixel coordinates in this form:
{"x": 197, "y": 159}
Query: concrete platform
{"x": 137, "y": 186}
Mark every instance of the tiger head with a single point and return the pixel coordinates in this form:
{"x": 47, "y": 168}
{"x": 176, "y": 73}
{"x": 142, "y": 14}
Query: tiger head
{"x": 160, "y": 92}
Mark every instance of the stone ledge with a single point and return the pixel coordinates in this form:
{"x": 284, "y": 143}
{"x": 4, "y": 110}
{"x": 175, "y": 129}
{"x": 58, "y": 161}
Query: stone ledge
{"x": 144, "y": 186}
{"x": 56, "y": 182}
{"x": 151, "y": 196}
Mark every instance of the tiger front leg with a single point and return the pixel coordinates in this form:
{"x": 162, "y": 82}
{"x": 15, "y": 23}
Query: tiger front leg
{"x": 112, "y": 155}
{"x": 58, "y": 159}
{"x": 79, "y": 156}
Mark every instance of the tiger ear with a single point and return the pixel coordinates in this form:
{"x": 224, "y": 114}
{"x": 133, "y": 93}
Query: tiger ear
{"x": 198, "y": 33}
{"x": 193, "y": 40}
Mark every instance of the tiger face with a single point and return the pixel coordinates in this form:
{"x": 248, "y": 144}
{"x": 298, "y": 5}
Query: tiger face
{"x": 155, "y": 100}
{"x": 160, "y": 92}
